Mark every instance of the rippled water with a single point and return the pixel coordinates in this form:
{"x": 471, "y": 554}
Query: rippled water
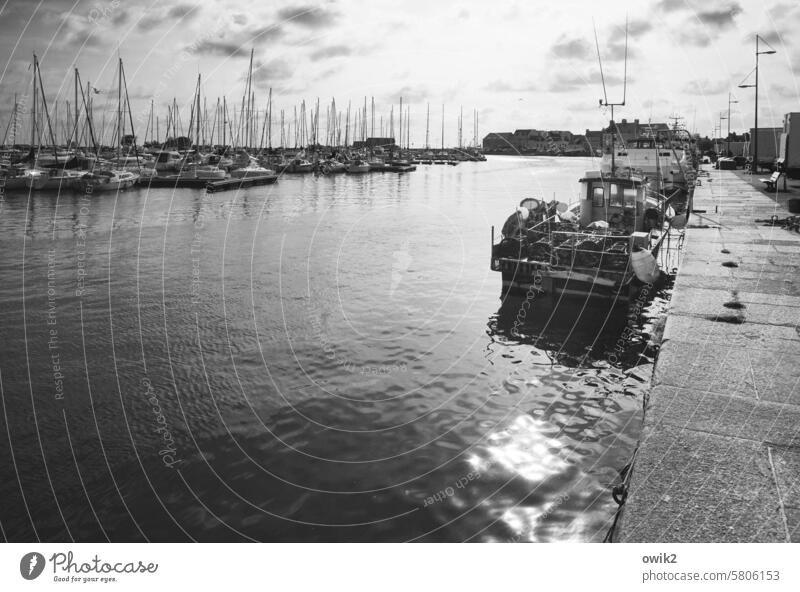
{"x": 321, "y": 359}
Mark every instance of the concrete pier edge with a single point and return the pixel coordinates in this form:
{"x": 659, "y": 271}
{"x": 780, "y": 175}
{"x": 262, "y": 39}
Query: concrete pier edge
{"x": 719, "y": 455}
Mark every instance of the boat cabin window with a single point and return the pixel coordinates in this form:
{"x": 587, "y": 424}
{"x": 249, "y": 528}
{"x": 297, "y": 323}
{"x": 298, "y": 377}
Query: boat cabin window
{"x": 630, "y": 196}
{"x": 614, "y": 195}
{"x": 597, "y": 196}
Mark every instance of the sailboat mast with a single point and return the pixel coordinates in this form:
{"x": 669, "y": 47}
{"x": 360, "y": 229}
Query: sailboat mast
{"x": 428, "y": 128}
{"x": 442, "y": 127}
{"x": 119, "y": 108}
{"x": 401, "y": 123}
{"x": 408, "y": 128}
{"x": 269, "y": 119}
{"x": 35, "y": 99}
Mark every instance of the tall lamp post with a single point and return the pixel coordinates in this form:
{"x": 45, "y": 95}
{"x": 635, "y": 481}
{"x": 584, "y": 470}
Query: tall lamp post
{"x": 721, "y": 117}
{"x": 755, "y": 129}
{"x": 730, "y": 101}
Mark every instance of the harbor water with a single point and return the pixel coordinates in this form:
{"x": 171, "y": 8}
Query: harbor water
{"x": 322, "y": 359}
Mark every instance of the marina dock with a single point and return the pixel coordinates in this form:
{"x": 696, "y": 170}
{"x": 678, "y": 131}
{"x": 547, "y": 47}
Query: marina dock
{"x": 720, "y": 450}
{"x": 210, "y": 186}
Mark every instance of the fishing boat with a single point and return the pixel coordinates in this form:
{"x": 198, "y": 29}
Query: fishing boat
{"x": 664, "y": 159}
{"x": 603, "y": 246}
{"x": 104, "y": 181}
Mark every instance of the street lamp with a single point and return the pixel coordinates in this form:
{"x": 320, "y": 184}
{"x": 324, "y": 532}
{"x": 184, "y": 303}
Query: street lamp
{"x": 721, "y": 117}
{"x": 729, "y": 120}
{"x": 755, "y": 129}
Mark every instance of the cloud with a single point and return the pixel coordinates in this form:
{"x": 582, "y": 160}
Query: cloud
{"x": 503, "y": 86}
{"x": 182, "y": 11}
{"x": 332, "y": 51}
{"x": 564, "y": 82}
{"x": 616, "y": 51}
{"x": 772, "y": 37}
{"x": 119, "y": 18}
{"x": 311, "y": 17}
{"x": 722, "y": 17}
{"x": 236, "y": 43}
{"x": 706, "y": 87}
{"x": 220, "y": 48}
{"x": 147, "y": 22}
{"x": 571, "y": 48}
{"x": 410, "y": 94}
{"x": 328, "y": 72}
{"x": 239, "y": 18}
{"x": 266, "y": 73}
{"x": 784, "y": 91}
{"x": 670, "y": 5}
{"x": 639, "y": 27}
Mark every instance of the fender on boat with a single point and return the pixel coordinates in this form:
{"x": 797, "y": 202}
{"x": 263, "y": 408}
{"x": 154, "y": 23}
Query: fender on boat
{"x": 645, "y": 266}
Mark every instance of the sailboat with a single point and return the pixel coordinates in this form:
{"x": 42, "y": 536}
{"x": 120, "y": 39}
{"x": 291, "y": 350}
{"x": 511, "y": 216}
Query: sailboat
{"x": 113, "y": 178}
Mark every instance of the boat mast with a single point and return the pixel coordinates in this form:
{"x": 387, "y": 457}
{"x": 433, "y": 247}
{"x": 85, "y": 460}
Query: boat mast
{"x": 442, "y": 127}
{"x": 604, "y": 101}
{"x": 33, "y": 112}
{"x": 38, "y": 73}
{"x": 119, "y": 108}
{"x": 130, "y": 117}
{"x": 428, "y": 128}
{"x": 401, "y": 123}
{"x": 269, "y": 119}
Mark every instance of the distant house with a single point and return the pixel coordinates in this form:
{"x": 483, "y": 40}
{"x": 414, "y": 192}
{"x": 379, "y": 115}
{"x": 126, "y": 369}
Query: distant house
{"x": 499, "y": 142}
{"x": 594, "y": 140}
{"x": 631, "y": 130}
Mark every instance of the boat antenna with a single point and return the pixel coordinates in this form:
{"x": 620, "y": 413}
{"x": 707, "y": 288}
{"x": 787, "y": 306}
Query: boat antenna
{"x": 600, "y": 61}
{"x": 604, "y": 101}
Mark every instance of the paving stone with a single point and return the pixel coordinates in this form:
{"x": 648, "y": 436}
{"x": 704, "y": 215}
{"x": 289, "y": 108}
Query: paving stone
{"x": 693, "y": 487}
{"x": 787, "y": 470}
{"x": 693, "y": 329}
{"x": 733, "y": 417}
{"x": 793, "y": 524}
{"x": 725, "y": 393}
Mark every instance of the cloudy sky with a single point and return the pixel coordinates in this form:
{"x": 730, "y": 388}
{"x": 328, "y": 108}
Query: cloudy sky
{"x": 521, "y": 64}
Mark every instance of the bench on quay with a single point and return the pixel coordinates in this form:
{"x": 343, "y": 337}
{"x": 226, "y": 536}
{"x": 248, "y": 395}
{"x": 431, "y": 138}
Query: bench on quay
{"x": 771, "y": 183}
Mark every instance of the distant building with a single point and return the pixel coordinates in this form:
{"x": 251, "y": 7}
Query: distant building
{"x": 533, "y": 141}
{"x": 499, "y": 142}
{"x": 632, "y": 130}
{"x": 594, "y": 140}
{"x": 384, "y": 143}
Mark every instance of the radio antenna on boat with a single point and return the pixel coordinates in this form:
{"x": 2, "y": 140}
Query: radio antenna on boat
{"x": 604, "y": 101}
{"x": 600, "y": 61}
